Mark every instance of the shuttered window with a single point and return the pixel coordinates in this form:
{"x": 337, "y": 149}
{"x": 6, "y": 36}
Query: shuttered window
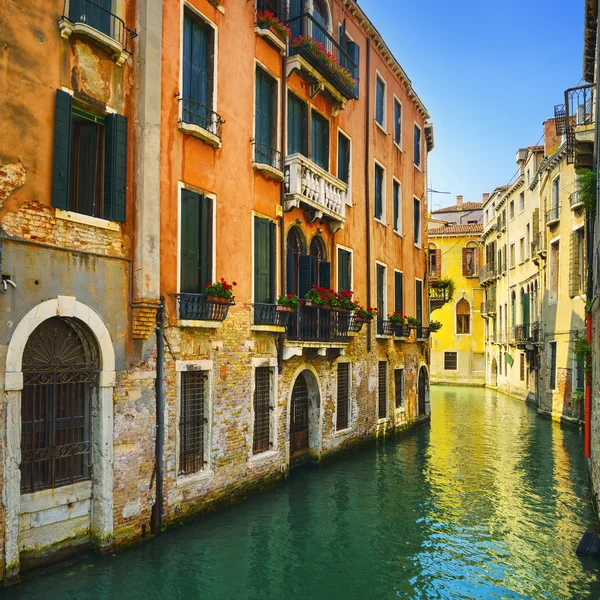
{"x": 95, "y": 14}
{"x": 577, "y": 263}
{"x": 196, "y": 242}
{"x": 552, "y": 365}
{"x": 89, "y": 171}
{"x": 343, "y": 158}
{"x": 382, "y": 409}
{"x": 397, "y": 207}
{"x": 320, "y": 140}
{"x": 417, "y": 146}
{"x": 265, "y": 120}
{"x": 399, "y": 292}
{"x": 265, "y": 269}
{"x": 344, "y": 267}
{"x": 381, "y": 307}
{"x": 435, "y": 263}
{"x": 419, "y": 300}
{"x": 297, "y": 126}
{"x": 379, "y": 185}
{"x": 192, "y": 422}
{"x": 399, "y": 387}
{"x": 451, "y": 361}
{"x": 398, "y": 123}
{"x": 343, "y": 393}
{"x": 417, "y": 221}
{"x": 353, "y": 51}
{"x": 380, "y": 102}
{"x": 469, "y": 262}
{"x": 262, "y": 410}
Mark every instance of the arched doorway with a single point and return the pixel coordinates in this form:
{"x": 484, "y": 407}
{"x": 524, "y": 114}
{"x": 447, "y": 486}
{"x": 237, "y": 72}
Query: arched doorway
{"x": 305, "y": 433}
{"x": 494, "y": 372}
{"x": 423, "y": 391}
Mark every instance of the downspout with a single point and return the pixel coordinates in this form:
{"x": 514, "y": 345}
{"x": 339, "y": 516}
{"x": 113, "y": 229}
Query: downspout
{"x": 157, "y": 509}
{"x": 368, "y": 186}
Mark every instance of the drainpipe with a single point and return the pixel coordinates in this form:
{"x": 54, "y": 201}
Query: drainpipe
{"x": 157, "y": 509}
{"x": 368, "y": 186}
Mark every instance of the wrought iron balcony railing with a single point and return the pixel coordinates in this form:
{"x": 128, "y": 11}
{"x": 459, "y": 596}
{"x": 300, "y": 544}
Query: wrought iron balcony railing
{"x": 195, "y": 113}
{"x": 575, "y": 201}
{"x": 385, "y": 327}
{"x": 402, "y": 330}
{"x": 579, "y": 116}
{"x": 487, "y": 272}
{"x": 313, "y": 42}
{"x": 439, "y": 290}
{"x": 422, "y": 333}
{"x": 315, "y": 324}
{"x": 200, "y": 307}
{"x": 540, "y": 245}
{"x": 553, "y": 215}
{"x": 269, "y": 314}
{"x": 488, "y": 307}
{"x": 267, "y": 155}
{"x": 95, "y": 16}
{"x": 527, "y": 333}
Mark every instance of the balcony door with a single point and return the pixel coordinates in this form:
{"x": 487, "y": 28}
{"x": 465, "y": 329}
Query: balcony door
{"x": 96, "y": 14}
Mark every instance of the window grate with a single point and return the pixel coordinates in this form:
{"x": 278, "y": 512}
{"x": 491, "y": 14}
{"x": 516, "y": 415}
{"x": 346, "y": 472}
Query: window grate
{"x": 382, "y": 409}
{"x": 262, "y": 410}
{"x": 343, "y": 389}
{"x": 399, "y": 387}
{"x": 451, "y": 361}
{"x": 192, "y": 422}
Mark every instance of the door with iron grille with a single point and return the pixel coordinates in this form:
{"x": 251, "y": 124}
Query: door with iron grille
{"x": 60, "y": 375}
{"x": 299, "y": 418}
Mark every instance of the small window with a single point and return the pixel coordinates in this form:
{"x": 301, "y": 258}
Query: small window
{"x": 382, "y": 390}
{"x": 521, "y": 202}
{"x": 579, "y": 376}
{"x": 552, "y": 365}
{"x": 450, "y": 361}
{"x": 262, "y": 410}
{"x": 398, "y": 123}
{"x": 522, "y": 249}
{"x": 511, "y": 210}
{"x": 417, "y": 146}
{"x": 397, "y": 207}
{"x": 417, "y": 221}
{"x": 399, "y": 388}
{"x": 192, "y": 422}
{"x": 381, "y": 275}
{"x": 343, "y": 164}
{"x": 512, "y": 255}
{"x": 470, "y": 261}
{"x": 380, "y": 102}
{"x": 556, "y": 192}
{"x": 419, "y": 299}
{"x": 265, "y": 261}
{"x": 344, "y": 270}
{"x": 399, "y": 292}
{"x": 297, "y": 125}
{"x": 554, "y": 270}
{"x": 320, "y": 140}
{"x": 379, "y": 192}
{"x": 265, "y": 121}
{"x": 343, "y": 394}
{"x": 463, "y": 317}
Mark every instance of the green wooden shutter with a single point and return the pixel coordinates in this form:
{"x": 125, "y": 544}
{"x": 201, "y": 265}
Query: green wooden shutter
{"x": 354, "y": 52}
{"x": 526, "y": 311}
{"x": 419, "y": 300}
{"x": 380, "y": 299}
{"x": 378, "y": 186}
{"x": 399, "y": 292}
{"x": 297, "y": 126}
{"x": 263, "y": 117}
{"x": 115, "y": 168}
{"x": 61, "y": 165}
{"x": 290, "y": 272}
{"x": 190, "y": 242}
{"x": 343, "y": 270}
{"x": 262, "y": 261}
{"x": 325, "y": 275}
{"x": 273, "y": 261}
{"x": 306, "y": 276}
{"x": 320, "y": 141}
{"x": 574, "y": 283}
{"x": 206, "y": 230}
{"x": 379, "y": 100}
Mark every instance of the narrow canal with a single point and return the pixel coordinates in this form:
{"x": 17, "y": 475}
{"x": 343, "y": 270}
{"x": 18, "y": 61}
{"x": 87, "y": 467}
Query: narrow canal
{"x": 488, "y": 502}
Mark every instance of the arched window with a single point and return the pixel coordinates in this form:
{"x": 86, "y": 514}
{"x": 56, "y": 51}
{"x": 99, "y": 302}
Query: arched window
{"x": 470, "y": 260}
{"x": 60, "y": 376}
{"x": 295, "y": 249}
{"x": 322, "y": 270}
{"x": 463, "y": 317}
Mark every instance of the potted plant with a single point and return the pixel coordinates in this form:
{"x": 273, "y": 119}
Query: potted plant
{"x": 398, "y": 321}
{"x": 319, "y": 296}
{"x": 220, "y": 292}
{"x": 364, "y": 315}
{"x": 434, "y": 326}
{"x": 346, "y": 300}
{"x": 288, "y": 303}
{"x": 265, "y": 19}
{"x": 414, "y": 322}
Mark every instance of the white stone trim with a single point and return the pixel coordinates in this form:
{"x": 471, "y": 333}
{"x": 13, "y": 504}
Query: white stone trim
{"x": 75, "y": 217}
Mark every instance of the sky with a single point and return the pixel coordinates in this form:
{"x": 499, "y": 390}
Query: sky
{"x": 489, "y": 74}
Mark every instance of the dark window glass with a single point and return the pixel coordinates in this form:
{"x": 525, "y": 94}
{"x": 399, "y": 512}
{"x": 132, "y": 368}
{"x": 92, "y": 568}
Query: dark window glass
{"x": 417, "y": 220}
{"x": 399, "y": 387}
{"x": 192, "y": 422}
{"x": 399, "y": 292}
{"x": 552, "y": 365}
{"x": 262, "y": 410}
{"x": 343, "y": 158}
{"x": 397, "y": 206}
{"x": 397, "y": 122}
{"x": 344, "y": 267}
{"x": 379, "y": 101}
{"x": 419, "y": 300}
{"x": 343, "y": 390}
{"x": 379, "y": 182}
{"x": 417, "y": 147}
{"x": 380, "y": 293}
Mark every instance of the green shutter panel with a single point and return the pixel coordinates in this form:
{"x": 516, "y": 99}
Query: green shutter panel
{"x": 306, "y": 275}
{"x": 378, "y": 207}
{"x": 206, "y": 229}
{"x": 61, "y": 165}
{"x": 343, "y": 283}
{"x": 398, "y": 293}
{"x": 304, "y": 129}
{"x": 526, "y": 316}
{"x": 325, "y": 275}
{"x": 272, "y": 261}
{"x": 115, "y": 168}
{"x": 380, "y": 299}
{"x": 325, "y": 164}
{"x": 190, "y": 242}
{"x": 574, "y": 283}
{"x": 317, "y": 140}
{"x": 262, "y": 261}
{"x": 290, "y": 273}
{"x": 354, "y": 52}
{"x": 419, "y": 300}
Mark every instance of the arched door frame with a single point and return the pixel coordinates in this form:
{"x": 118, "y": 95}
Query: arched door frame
{"x": 102, "y": 435}
{"x": 423, "y": 367}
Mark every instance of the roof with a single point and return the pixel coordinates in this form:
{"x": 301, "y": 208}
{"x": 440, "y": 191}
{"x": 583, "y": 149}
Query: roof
{"x": 470, "y": 228}
{"x": 464, "y": 207}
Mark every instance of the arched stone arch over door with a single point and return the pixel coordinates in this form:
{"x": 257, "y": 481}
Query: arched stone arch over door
{"x": 304, "y": 419}
{"x": 30, "y": 361}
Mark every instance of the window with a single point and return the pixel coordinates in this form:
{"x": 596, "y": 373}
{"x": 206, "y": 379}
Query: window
{"x": 522, "y": 249}
{"x": 463, "y": 317}
{"x": 450, "y": 361}
{"x": 521, "y": 202}
{"x": 380, "y": 101}
{"x": 397, "y": 198}
{"x": 352, "y": 50}
{"x": 196, "y": 242}
{"x": 512, "y": 255}
{"x": 297, "y": 126}
{"x": 398, "y": 123}
{"x": 344, "y": 270}
{"x": 399, "y": 292}
{"x": 198, "y": 73}
{"x": 379, "y": 192}
{"x": 528, "y": 176}
{"x": 511, "y": 210}
{"x": 556, "y": 192}
{"x": 343, "y": 165}
{"x": 528, "y": 241}
{"x": 96, "y": 15}
{"x": 381, "y": 275}
{"x": 192, "y": 422}
{"x": 262, "y": 410}
{"x": 554, "y": 270}
{"x": 89, "y": 173}
{"x": 435, "y": 262}
{"x": 343, "y": 394}
{"x": 579, "y": 376}
{"x": 417, "y": 146}
{"x": 399, "y": 388}
{"x": 320, "y": 140}
{"x": 522, "y": 367}
{"x": 382, "y": 390}
{"x": 265, "y": 120}
{"x": 552, "y": 365}
{"x": 419, "y": 299}
{"x": 417, "y": 221}
{"x": 470, "y": 261}
{"x": 577, "y": 263}
{"x": 265, "y": 261}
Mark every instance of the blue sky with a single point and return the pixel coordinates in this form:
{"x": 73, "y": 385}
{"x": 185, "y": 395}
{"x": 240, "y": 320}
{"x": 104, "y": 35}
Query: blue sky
{"x": 489, "y": 74}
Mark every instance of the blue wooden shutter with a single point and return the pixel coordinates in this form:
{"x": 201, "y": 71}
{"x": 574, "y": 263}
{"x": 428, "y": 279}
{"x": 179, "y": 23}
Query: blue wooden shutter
{"x": 190, "y": 242}
{"x": 306, "y": 275}
{"x": 290, "y": 272}
{"x": 115, "y": 168}
{"x": 206, "y": 230}
{"x": 354, "y": 52}
{"x": 399, "y": 292}
{"x": 378, "y": 192}
{"x": 61, "y": 165}
{"x": 262, "y": 261}
{"x": 325, "y": 275}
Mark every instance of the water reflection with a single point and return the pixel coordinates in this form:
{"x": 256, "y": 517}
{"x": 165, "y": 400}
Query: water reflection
{"x": 488, "y": 502}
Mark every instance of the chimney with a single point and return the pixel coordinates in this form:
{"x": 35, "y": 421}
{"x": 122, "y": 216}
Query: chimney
{"x": 551, "y": 140}
{"x": 459, "y": 200}
{"x": 485, "y": 197}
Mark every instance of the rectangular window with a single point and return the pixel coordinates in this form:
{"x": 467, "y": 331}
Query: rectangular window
{"x": 343, "y": 396}
{"x": 297, "y": 126}
{"x": 469, "y": 262}
{"x": 397, "y": 206}
{"x": 579, "y": 376}
{"x": 552, "y": 365}
{"x": 417, "y": 146}
{"x": 262, "y": 410}
{"x": 450, "y": 361}
{"x": 463, "y": 317}
{"x": 380, "y": 102}
{"x": 419, "y": 299}
{"x": 196, "y": 242}
{"x": 343, "y": 165}
{"x": 381, "y": 295}
{"x": 521, "y": 202}
{"x": 382, "y": 390}
{"x": 398, "y": 123}
{"x": 265, "y": 120}
{"x": 192, "y": 422}
{"x": 198, "y": 73}
{"x": 379, "y": 192}
{"x": 399, "y": 292}
{"x": 512, "y": 255}
{"x": 344, "y": 270}
{"x": 577, "y": 263}
{"x": 320, "y": 140}
{"x": 399, "y": 388}
{"x": 522, "y": 249}
{"x": 265, "y": 260}
{"x": 556, "y": 192}
{"x": 417, "y": 221}
{"x": 522, "y": 367}
{"x": 511, "y": 210}
{"x": 554, "y": 270}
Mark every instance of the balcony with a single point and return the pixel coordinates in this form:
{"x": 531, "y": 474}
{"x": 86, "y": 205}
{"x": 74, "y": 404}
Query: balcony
{"x": 385, "y": 328}
{"x": 271, "y": 315}
{"x": 575, "y": 201}
{"x": 308, "y": 186}
{"x": 422, "y": 333}
{"x": 401, "y": 330}
{"x": 553, "y": 216}
{"x": 321, "y": 60}
{"x": 541, "y": 244}
{"x": 200, "y": 121}
{"x": 525, "y": 334}
{"x": 314, "y": 324}
{"x": 579, "y": 125}
{"x": 488, "y": 308}
{"x": 200, "y": 307}
{"x": 92, "y": 20}
{"x": 440, "y": 292}
{"x": 487, "y": 273}
{"x": 267, "y": 160}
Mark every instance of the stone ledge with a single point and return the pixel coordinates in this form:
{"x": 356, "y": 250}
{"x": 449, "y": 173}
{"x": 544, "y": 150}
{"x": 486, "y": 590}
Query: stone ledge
{"x": 200, "y": 324}
{"x": 202, "y": 134}
{"x": 268, "y": 328}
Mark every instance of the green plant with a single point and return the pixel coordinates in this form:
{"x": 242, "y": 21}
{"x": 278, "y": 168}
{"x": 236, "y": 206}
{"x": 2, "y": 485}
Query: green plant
{"x": 322, "y": 296}
{"x": 577, "y": 397}
{"x": 582, "y": 351}
{"x": 586, "y": 188}
{"x": 365, "y": 313}
{"x": 266, "y": 19}
{"x": 346, "y": 300}
{"x": 435, "y": 326}
{"x": 290, "y": 301}
{"x": 447, "y": 283}
{"x": 397, "y": 318}
{"x": 220, "y": 289}
{"x": 414, "y": 321}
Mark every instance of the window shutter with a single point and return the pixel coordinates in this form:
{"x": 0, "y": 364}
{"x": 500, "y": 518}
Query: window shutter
{"x": 190, "y": 242}
{"x": 304, "y": 130}
{"x": 574, "y": 283}
{"x": 343, "y": 271}
{"x": 187, "y": 57}
{"x": 325, "y": 135}
{"x": 399, "y": 293}
{"x": 378, "y": 182}
{"x": 205, "y": 241}
{"x": 419, "y": 300}
{"x": 61, "y": 165}
{"x": 295, "y": 124}
{"x": 290, "y": 274}
{"x": 115, "y": 168}
{"x": 464, "y": 262}
{"x": 438, "y": 258}
{"x": 264, "y": 117}
{"x": 325, "y": 275}
{"x": 262, "y": 261}
{"x": 272, "y": 261}
{"x": 354, "y": 52}
{"x": 380, "y": 298}
{"x": 306, "y": 276}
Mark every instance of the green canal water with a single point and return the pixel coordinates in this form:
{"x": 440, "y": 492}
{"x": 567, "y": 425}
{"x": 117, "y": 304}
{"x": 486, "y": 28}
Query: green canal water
{"x": 489, "y": 501}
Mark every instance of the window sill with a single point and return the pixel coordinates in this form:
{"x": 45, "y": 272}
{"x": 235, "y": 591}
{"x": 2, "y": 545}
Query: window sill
{"x": 380, "y": 222}
{"x": 202, "y": 134}
{"x": 383, "y": 336}
{"x": 381, "y": 127}
{"x": 399, "y": 233}
{"x": 418, "y": 167}
{"x": 74, "y": 217}
{"x": 187, "y": 481}
{"x": 343, "y": 432}
{"x": 274, "y": 40}
{"x": 200, "y": 324}
{"x": 268, "y": 328}
{"x": 380, "y": 421}
{"x": 263, "y": 457}
{"x": 51, "y": 498}
{"x": 268, "y": 171}
{"x": 398, "y": 146}
{"x": 66, "y": 27}
{"x": 418, "y": 245}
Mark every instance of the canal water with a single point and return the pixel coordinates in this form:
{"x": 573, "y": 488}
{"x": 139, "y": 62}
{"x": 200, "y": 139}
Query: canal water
{"x": 490, "y": 501}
